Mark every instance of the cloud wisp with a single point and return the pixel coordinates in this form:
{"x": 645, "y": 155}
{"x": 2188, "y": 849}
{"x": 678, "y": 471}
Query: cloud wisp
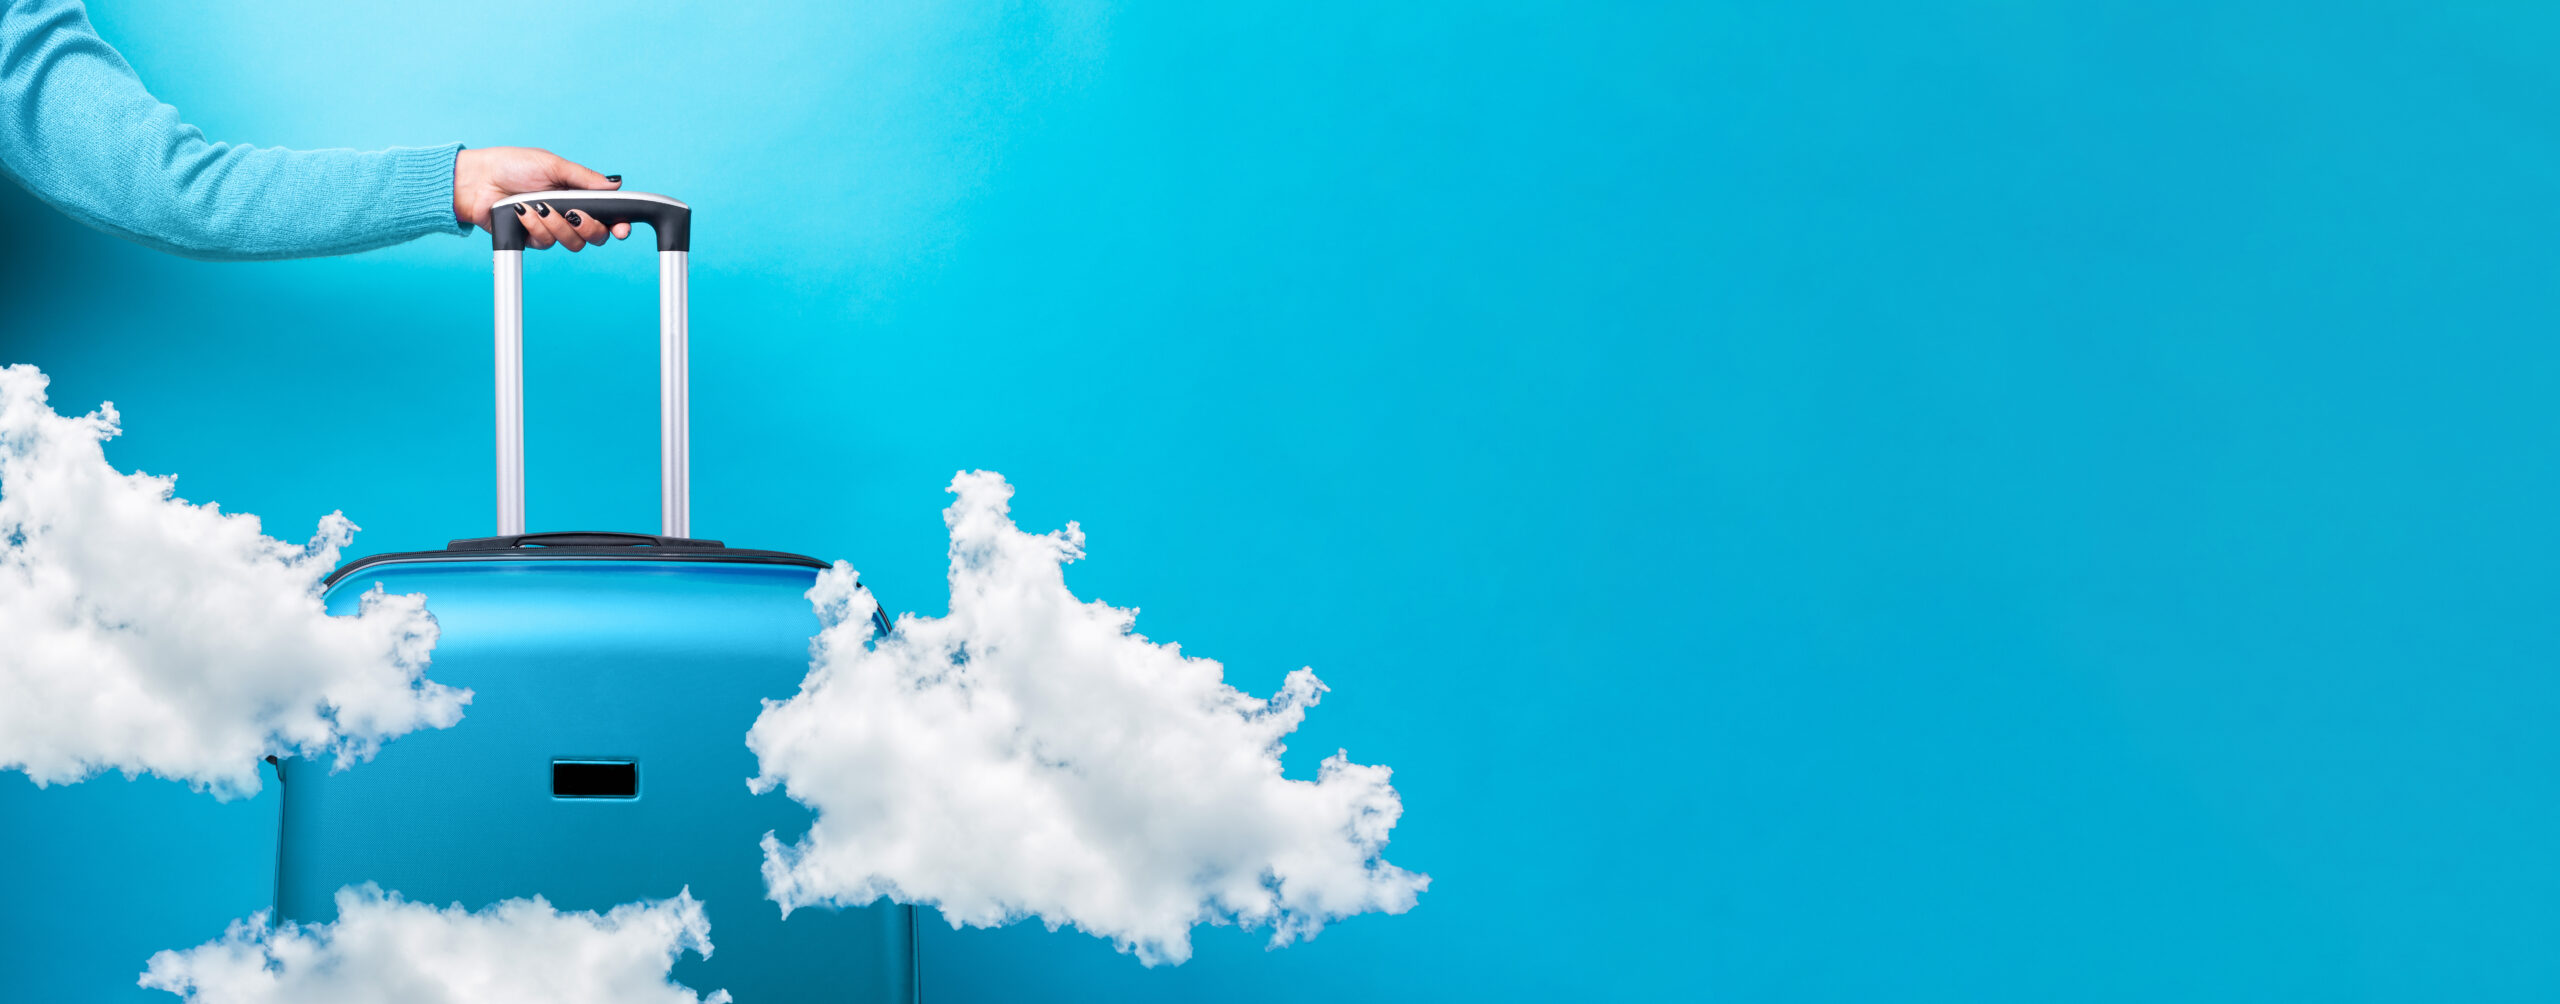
{"x": 1030, "y": 755}
{"x": 385, "y": 950}
{"x": 146, "y": 634}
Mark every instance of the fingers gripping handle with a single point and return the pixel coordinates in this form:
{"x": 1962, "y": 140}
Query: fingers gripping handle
{"x": 671, "y": 220}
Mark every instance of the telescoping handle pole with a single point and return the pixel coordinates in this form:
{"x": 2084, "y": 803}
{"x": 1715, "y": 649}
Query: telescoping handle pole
{"x": 672, "y": 221}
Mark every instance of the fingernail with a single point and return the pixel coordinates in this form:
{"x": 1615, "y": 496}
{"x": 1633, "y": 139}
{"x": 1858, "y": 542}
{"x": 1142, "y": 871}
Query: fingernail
{"x": 541, "y": 210}
{"x": 572, "y": 217}
{"x": 519, "y": 208}
{"x": 615, "y": 178}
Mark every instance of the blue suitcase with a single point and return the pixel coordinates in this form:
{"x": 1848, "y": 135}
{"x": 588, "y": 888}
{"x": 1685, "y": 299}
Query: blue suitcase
{"x": 614, "y": 675}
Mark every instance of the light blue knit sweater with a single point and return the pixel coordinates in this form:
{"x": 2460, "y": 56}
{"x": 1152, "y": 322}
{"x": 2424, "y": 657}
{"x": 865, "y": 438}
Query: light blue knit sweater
{"x": 78, "y": 129}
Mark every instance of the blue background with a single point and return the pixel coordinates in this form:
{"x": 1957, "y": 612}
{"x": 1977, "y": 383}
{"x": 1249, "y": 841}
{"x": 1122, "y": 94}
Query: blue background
{"x": 1828, "y": 502}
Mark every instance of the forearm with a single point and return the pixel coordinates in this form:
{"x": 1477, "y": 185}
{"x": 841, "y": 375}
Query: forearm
{"x": 79, "y": 130}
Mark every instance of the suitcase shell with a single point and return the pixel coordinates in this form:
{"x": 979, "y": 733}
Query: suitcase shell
{"x": 654, "y": 651}
{"x": 585, "y": 657}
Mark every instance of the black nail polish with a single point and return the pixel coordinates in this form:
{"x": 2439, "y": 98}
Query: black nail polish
{"x": 572, "y": 217}
{"x": 519, "y": 208}
{"x": 615, "y": 178}
{"x": 541, "y": 210}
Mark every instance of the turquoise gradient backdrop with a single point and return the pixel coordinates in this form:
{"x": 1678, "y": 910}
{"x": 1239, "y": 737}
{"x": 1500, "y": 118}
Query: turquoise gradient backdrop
{"x": 1816, "y": 501}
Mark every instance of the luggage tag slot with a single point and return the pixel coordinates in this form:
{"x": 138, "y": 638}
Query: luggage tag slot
{"x": 595, "y": 779}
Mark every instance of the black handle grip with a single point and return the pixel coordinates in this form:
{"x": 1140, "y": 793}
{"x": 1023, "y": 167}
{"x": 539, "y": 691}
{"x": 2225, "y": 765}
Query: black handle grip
{"x": 671, "y": 220}
{"x": 575, "y": 538}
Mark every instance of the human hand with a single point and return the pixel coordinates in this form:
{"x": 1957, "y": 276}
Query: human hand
{"x": 482, "y": 177}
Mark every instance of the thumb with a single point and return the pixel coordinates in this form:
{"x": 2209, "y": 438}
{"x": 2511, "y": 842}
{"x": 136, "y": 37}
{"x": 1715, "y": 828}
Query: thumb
{"x": 571, "y": 174}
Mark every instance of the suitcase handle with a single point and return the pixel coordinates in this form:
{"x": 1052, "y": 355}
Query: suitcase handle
{"x": 575, "y": 538}
{"x": 670, "y": 219}
{"x": 673, "y": 223}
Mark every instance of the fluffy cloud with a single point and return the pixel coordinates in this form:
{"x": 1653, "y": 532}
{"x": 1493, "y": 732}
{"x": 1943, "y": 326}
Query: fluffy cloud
{"x": 146, "y": 634}
{"x": 383, "y": 950}
{"x": 1029, "y": 755}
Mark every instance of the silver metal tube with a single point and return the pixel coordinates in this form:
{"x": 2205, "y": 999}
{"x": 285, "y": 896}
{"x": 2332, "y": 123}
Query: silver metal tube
{"x": 510, "y": 269}
{"x": 675, "y": 473}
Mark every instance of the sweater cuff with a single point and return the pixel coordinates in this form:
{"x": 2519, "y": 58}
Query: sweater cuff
{"x": 421, "y": 191}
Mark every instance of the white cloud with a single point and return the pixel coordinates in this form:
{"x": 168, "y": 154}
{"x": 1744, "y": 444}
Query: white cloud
{"x": 1028, "y": 755}
{"x": 143, "y": 634}
{"x": 384, "y": 950}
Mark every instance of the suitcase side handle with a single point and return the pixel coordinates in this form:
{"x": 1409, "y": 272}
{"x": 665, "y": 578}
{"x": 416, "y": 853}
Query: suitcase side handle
{"x": 673, "y": 223}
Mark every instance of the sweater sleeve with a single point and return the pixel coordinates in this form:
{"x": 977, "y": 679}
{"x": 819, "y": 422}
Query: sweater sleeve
{"x": 78, "y": 129}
